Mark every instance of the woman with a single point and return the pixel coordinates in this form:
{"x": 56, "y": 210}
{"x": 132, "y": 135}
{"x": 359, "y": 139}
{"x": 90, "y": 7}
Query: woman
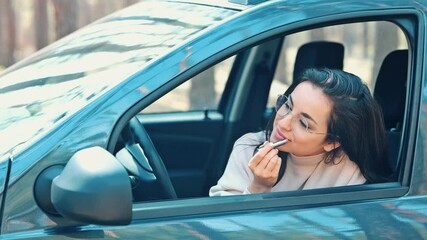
{"x": 335, "y": 137}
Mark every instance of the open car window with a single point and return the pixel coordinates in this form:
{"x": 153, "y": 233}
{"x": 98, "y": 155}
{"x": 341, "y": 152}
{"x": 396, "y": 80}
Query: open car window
{"x": 376, "y": 51}
{"x": 194, "y": 146}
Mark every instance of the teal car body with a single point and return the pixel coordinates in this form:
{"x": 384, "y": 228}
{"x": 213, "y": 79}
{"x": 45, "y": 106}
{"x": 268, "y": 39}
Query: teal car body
{"x": 80, "y": 92}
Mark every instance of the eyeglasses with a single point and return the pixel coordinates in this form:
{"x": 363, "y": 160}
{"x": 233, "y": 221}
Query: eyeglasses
{"x": 299, "y": 123}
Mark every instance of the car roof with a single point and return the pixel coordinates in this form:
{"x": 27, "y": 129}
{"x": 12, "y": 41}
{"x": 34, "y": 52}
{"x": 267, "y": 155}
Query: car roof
{"x": 230, "y": 4}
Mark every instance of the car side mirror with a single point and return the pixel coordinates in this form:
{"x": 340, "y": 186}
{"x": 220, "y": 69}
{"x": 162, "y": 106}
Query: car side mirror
{"x": 92, "y": 188}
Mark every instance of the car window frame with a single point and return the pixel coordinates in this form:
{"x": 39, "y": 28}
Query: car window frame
{"x": 316, "y": 197}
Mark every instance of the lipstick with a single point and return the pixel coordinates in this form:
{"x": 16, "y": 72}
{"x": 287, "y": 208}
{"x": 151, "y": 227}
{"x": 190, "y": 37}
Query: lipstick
{"x": 275, "y": 144}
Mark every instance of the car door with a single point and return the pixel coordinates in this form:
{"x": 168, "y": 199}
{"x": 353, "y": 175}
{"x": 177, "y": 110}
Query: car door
{"x": 333, "y": 212}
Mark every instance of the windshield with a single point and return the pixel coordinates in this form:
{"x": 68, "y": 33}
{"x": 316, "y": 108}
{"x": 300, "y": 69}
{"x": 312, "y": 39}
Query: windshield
{"x": 45, "y": 89}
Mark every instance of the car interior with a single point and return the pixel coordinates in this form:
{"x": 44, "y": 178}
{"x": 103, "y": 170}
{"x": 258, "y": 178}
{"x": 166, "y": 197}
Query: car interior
{"x": 181, "y": 154}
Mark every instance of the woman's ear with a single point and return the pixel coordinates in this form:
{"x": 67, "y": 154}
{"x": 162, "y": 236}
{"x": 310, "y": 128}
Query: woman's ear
{"x": 331, "y": 146}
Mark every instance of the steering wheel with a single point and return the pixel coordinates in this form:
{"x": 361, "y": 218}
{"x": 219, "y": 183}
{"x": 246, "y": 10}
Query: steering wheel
{"x": 147, "y": 165}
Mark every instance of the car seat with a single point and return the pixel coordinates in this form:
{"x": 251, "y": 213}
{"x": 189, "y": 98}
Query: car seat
{"x": 319, "y": 54}
{"x": 390, "y": 92}
{"x": 390, "y": 88}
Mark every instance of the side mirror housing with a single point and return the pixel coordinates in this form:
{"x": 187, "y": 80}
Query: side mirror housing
{"x": 93, "y": 188}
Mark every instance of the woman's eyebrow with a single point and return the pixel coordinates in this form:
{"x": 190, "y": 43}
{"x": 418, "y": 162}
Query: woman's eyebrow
{"x": 306, "y": 115}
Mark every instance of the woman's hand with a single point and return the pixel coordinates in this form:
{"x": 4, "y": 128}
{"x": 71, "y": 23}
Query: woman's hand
{"x": 265, "y": 165}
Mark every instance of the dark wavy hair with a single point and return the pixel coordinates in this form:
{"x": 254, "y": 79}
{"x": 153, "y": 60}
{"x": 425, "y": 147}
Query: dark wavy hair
{"x": 356, "y": 121}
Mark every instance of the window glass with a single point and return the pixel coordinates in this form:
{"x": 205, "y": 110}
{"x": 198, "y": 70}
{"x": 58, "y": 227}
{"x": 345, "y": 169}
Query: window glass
{"x": 201, "y": 92}
{"x": 365, "y": 46}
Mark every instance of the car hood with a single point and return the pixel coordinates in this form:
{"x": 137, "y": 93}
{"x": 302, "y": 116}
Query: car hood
{"x": 45, "y": 89}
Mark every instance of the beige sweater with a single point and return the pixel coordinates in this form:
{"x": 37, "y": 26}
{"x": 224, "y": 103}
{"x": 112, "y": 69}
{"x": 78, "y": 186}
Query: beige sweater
{"x": 301, "y": 172}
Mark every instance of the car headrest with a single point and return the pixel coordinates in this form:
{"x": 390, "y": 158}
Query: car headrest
{"x": 319, "y": 54}
{"x": 390, "y": 88}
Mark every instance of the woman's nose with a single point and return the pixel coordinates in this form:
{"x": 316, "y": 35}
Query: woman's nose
{"x": 286, "y": 122}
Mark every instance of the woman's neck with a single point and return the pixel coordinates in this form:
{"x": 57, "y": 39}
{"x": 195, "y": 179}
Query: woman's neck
{"x": 306, "y": 160}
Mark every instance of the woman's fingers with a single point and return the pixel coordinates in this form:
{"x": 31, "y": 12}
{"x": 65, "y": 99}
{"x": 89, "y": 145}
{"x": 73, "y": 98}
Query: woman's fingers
{"x": 272, "y": 164}
{"x": 276, "y": 168}
{"x": 265, "y": 165}
{"x": 269, "y": 160}
{"x": 264, "y": 161}
{"x": 259, "y": 156}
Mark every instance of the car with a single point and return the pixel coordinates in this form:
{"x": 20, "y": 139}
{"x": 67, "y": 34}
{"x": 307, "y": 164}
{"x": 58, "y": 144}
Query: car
{"x": 120, "y": 129}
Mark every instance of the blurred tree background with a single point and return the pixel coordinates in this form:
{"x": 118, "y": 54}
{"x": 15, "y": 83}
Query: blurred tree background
{"x": 27, "y": 26}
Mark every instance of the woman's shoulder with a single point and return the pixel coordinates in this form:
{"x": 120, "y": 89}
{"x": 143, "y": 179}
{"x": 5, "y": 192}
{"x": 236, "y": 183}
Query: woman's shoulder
{"x": 251, "y": 139}
{"x": 248, "y": 142}
{"x": 350, "y": 168}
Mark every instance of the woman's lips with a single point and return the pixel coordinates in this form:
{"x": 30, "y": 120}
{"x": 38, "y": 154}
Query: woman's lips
{"x": 280, "y": 136}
